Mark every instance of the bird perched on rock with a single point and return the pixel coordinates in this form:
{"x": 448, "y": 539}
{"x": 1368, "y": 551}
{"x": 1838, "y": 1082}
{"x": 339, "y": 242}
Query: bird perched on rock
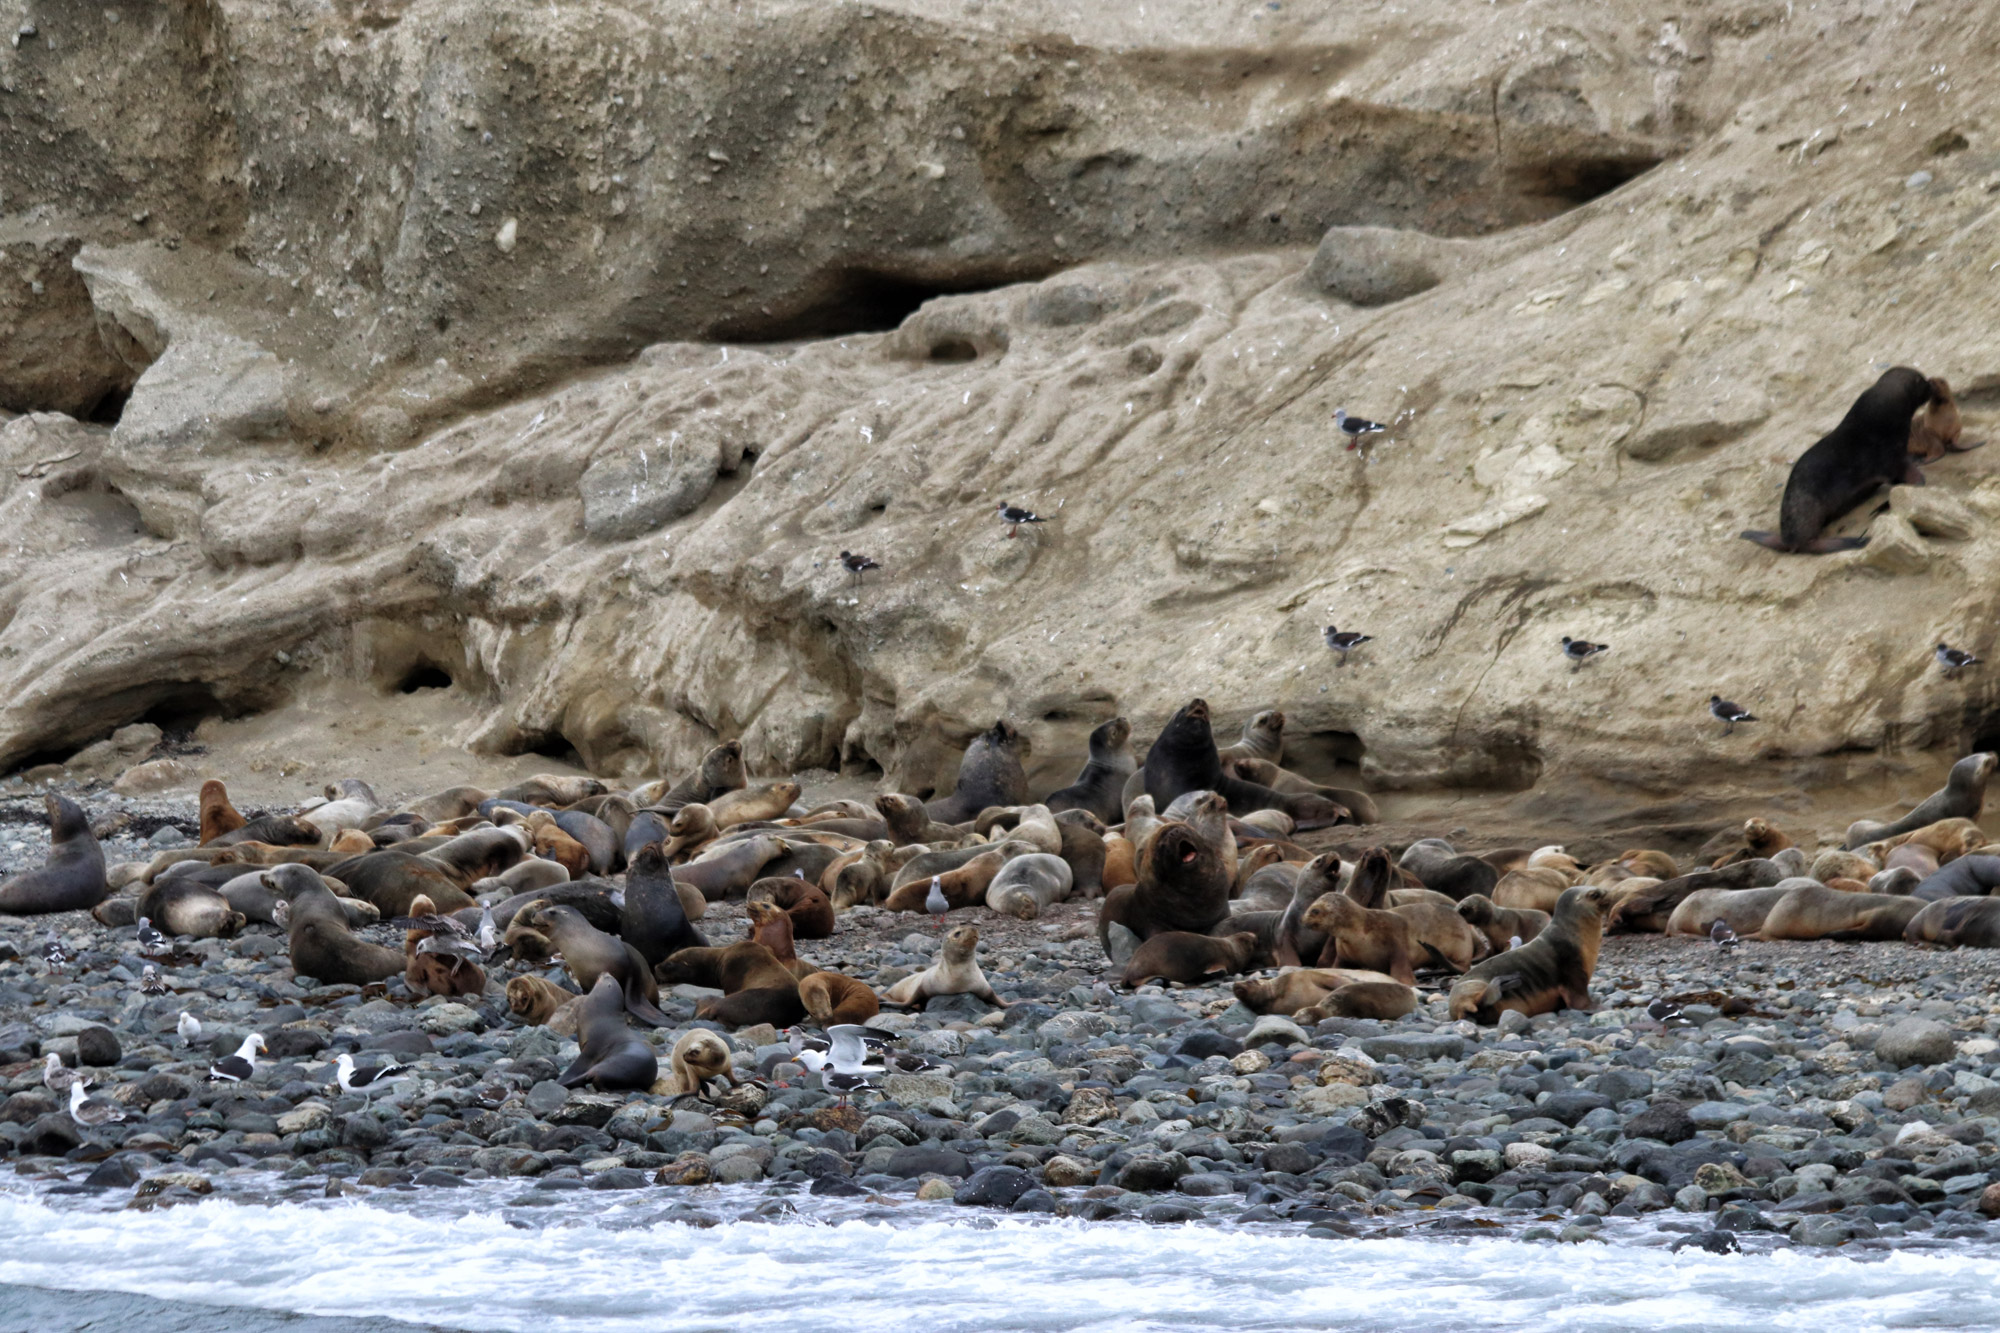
{"x": 935, "y": 902}
{"x": 1343, "y": 641}
{"x": 189, "y": 1027}
{"x": 1579, "y": 651}
{"x": 1722, "y": 936}
{"x": 365, "y": 1079}
{"x": 238, "y": 1067}
{"x": 1954, "y": 660}
{"x": 90, "y": 1112}
{"x": 54, "y": 954}
{"x": 152, "y": 942}
{"x": 857, "y": 565}
{"x": 1355, "y": 427}
{"x": 1014, "y": 517}
{"x": 1729, "y": 713}
{"x": 152, "y": 983}
{"x": 1664, "y": 1011}
{"x": 55, "y": 1076}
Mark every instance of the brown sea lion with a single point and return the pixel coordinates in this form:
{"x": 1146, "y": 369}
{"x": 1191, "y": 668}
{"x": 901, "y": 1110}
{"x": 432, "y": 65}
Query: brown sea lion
{"x": 753, "y": 803}
{"x": 1533, "y": 887}
{"x": 1648, "y": 908}
{"x": 832, "y": 998}
{"x": 588, "y": 953}
{"x": 1819, "y": 912}
{"x": 1183, "y": 759}
{"x": 1365, "y": 937}
{"x": 779, "y": 1006}
{"x": 392, "y": 880}
{"x": 1501, "y": 925}
{"x": 1296, "y": 942}
{"x": 1867, "y": 450}
{"x": 1947, "y": 840}
{"x": 553, "y": 844}
{"x": 989, "y": 774}
{"x": 551, "y": 789}
{"x": 1100, "y": 788}
{"x": 218, "y": 816}
{"x": 1175, "y": 955}
{"x": 534, "y": 1000}
{"x": 1443, "y": 870}
{"x": 744, "y": 965}
{"x": 612, "y": 1058}
{"x": 721, "y": 771}
{"x": 71, "y": 878}
{"x": 1442, "y": 933}
{"x": 1963, "y": 796}
{"x": 1760, "y": 837}
{"x": 692, "y": 828}
{"x": 956, "y": 972}
{"x": 1181, "y": 886}
{"x": 1362, "y": 999}
{"x": 182, "y": 905}
{"x": 527, "y": 945}
{"x": 1300, "y": 988}
{"x": 811, "y": 914}
{"x": 451, "y": 803}
{"x": 1120, "y": 862}
{"x": 909, "y": 822}
{"x": 860, "y": 879}
{"x": 1550, "y": 972}
{"x": 771, "y": 926}
{"x": 321, "y": 945}
{"x": 1971, "y": 922}
{"x": 964, "y": 886}
{"x": 700, "y": 1058}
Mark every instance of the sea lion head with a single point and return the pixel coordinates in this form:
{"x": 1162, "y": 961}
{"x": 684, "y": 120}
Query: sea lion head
{"x": 960, "y": 942}
{"x": 1113, "y": 735}
{"x": 1584, "y": 904}
{"x": 1973, "y": 770}
{"x": 1271, "y": 722}
{"x": 350, "y": 789}
{"x": 1329, "y": 911}
{"x": 291, "y": 879}
{"x": 1657, "y": 865}
{"x": 1477, "y": 909}
{"x": 550, "y": 917}
{"x": 762, "y": 913}
{"x": 1177, "y": 855}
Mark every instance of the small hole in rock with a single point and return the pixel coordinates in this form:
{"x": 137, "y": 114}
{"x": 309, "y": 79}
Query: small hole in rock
{"x": 954, "y": 349}
{"x": 424, "y": 676}
{"x": 107, "y": 410}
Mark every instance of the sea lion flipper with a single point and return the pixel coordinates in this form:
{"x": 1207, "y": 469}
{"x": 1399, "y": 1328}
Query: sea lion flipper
{"x": 1770, "y": 539}
{"x": 578, "y": 1072}
{"x": 643, "y": 1010}
{"x": 1964, "y": 446}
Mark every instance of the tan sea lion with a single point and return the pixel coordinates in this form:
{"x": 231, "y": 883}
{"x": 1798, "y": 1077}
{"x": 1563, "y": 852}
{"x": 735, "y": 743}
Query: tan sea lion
{"x": 752, "y": 803}
{"x": 909, "y": 822}
{"x": 1760, "y": 838}
{"x": 1364, "y": 937}
{"x": 963, "y": 887}
{"x": 744, "y": 965}
{"x": 1299, "y": 988}
{"x": 730, "y": 869}
{"x": 1936, "y": 430}
{"x": 956, "y": 972}
{"x": 1742, "y": 910}
{"x": 589, "y": 953}
{"x": 1818, "y": 912}
{"x": 1362, "y": 999}
{"x": 1502, "y": 925}
{"x": 612, "y": 1058}
{"x": 1536, "y": 888}
{"x": 181, "y": 905}
{"x": 451, "y": 803}
{"x": 1963, "y": 796}
{"x": 832, "y": 998}
{"x": 534, "y": 1000}
{"x": 692, "y": 828}
{"x": 1027, "y": 886}
{"x": 71, "y": 878}
{"x": 1175, "y": 955}
{"x": 1119, "y": 859}
{"x": 1833, "y": 864}
{"x": 1441, "y": 932}
{"x": 700, "y": 1057}
{"x": 1550, "y": 972}
{"x": 551, "y": 789}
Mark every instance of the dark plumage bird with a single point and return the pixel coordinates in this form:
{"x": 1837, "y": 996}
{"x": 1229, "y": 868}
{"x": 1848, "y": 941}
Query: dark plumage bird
{"x": 1725, "y": 711}
{"x": 1355, "y": 427}
{"x": 1579, "y": 651}
{"x": 152, "y": 983}
{"x": 240, "y": 1066}
{"x": 151, "y": 941}
{"x": 364, "y": 1079}
{"x": 844, "y": 1084}
{"x": 54, "y": 954}
{"x": 1664, "y": 1011}
{"x": 1343, "y": 641}
{"x": 1014, "y": 516}
{"x": 1723, "y": 936}
{"x": 857, "y": 565}
{"x": 1954, "y": 660}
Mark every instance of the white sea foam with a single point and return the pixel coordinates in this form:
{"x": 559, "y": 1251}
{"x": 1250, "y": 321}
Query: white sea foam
{"x": 613, "y": 1264}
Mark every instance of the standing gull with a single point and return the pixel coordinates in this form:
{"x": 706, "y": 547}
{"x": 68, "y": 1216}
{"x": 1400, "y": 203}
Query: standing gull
{"x": 1954, "y": 660}
{"x": 1014, "y": 517}
{"x": 1728, "y": 712}
{"x": 857, "y": 565}
{"x": 240, "y": 1066}
{"x": 1355, "y": 427}
{"x": 1343, "y": 641}
{"x": 189, "y": 1027}
{"x": 365, "y": 1079}
{"x": 55, "y": 1077}
{"x": 1579, "y": 651}
{"x": 90, "y": 1112}
{"x": 152, "y": 943}
{"x": 935, "y": 902}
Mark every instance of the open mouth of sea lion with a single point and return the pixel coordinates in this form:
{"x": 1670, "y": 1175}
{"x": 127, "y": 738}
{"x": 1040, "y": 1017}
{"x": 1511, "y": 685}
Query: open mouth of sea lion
{"x": 1187, "y": 855}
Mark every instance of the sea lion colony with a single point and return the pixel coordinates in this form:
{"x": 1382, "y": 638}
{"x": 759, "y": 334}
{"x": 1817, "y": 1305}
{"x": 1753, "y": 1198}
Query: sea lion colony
{"x": 486, "y": 952}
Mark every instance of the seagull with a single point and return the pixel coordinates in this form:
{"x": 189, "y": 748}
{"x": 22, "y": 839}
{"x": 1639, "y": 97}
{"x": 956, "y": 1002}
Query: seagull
{"x": 54, "y": 954}
{"x": 152, "y": 983}
{"x": 1343, "y": 641}
{"x": 845, "y": 1084}
{"x": 1728, "y": 712}
{"x": 1664, "y": 1011}
{"x": 801, "y": 1045}
{"x": 189, "y": 1027}
{"x": 857, "y": 565}
{"x": 365, "y": 1080}
{"x": 1579, "y": 651}
{"x": 90, "y": 1111}
{"x": 55, "y": 1077}
{"x": 907, "y": 1062}
{"x": 435, "y": 923}
{"x": 240, "y": 1066}
{"x": 1513, "y": 941}
{"x": 1014, "y": 517}
{"x": 935, "y": 902}
{"x": 151, "y": 941}
{"x": 1355, "y": 427}
{"x": 1723, "y": 936}
{"x": 489, "y": 934}
{"x": 1954, "y": 660}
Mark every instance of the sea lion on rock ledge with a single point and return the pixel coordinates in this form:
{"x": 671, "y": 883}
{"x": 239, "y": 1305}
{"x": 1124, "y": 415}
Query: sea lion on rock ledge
{"x": 1184, "y": 759}
{"x": 1869, "y": 448}
{"x": 990, "y": 774}
{"x": 1963, "y": 796}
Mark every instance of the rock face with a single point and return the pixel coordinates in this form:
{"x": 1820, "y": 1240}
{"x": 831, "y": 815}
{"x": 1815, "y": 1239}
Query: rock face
{"x": 554, "y": 354}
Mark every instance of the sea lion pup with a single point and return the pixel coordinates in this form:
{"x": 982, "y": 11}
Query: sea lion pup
{"x": 653, "y": 920}
{"x": 692, "y": 827}
{"x": 1936, "y": 430}
{"x": 1100, "y": 788}
{"x": 1027, "y": 886}
{"x": 861, "y": 880}
{"x": 1533, "y": 887}
{"x": 1946, "y": 841}
{"x": 1972, "y": 922}
{"x": 1365, "y": 937}
{"x": 349, "y": 803}
{"x": 1963, "y": 796}
{"x": 1263, "y": 738}
{"x": 720, "y": 771}
{"x": 182, "y": 905}
{"x": 1868, "y": 449}
{"x": 770, "y": 926}
{"x": 553, "y": 844}
{"x": 1175, "y": 955}
{"x": 613, "y": 1058}
{"x": 1834, "y": 864}
{"x": 831, "y": 998}
{"x": 1180, "y": 886}
{"x": 321, "y": 945}
{"x": 534, "y": 1000}
{"x": 1433, "y": 861}
{"x": 1295, "y": 941}
{"x": 956, "y": 972}
{"x": 725, "y": 870}
{"x": 804, "y": 902}
{"x": 1968, "y": 877}
{"x": 589, "y": 953}
{"x": 72, "y": 878}
{"x": 1299, "y": 988}
{"x": 451, "y": 803}
{"x": 218, "y": 816}
{"x": 1362, "y": 999}
{"x": 769, "y": 801}
{"x": 428, "y": 971}
{"x": 1819, "y": 912}
{"x": 1760, "y": 837}
{"x": 524, "y": 944}
{"x": 1742, "y": 910}
{"x": 1647, "y": 908}
{"x": 989, "y": 774}
{"x": 1550, "y": 972}
{"x": 1501, "y": 925}
{"x": 1183, "y": 759}
{"x": 700, "y": 1058}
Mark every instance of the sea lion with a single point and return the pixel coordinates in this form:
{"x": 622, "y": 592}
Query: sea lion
{"x": 1363, "y": 999}
{"x": 1834, "y": 864}
{"x": 1945, "y": 841}
{"x": 1972, "y": 922}
{"x": 1100, "y": 787}
{"x": 1365, "y": 937}
{"x": 1360, "y": 806}
{"x": 1084, "y": 848}
{"x": 1176, "y": 955}
{"x": 1963, "y": 796}
{"x": 1184, "y": 759}
{"x": 727, "y": 870}
{"x": 779, "y": 1006}
{"x": 963, "y": 887}
{"x": 217, "y": 816}
{"x": 1120, "y": 860}
{"x": 1300, "y": 988}
{"x": 527, "y": 945}
{"x": 1819, "y": 912}
{"x": 653, "y": 920}
{"x": 1649, "y": 908}
{"x": 1181, "y": 886}
{"x": 692, "y": 827}
{"x": 1446, "y": 936}
{"x": 451, "y": 803}
{"x": 534, "y": 1000}
{"x": 744, "y": 965}
{"x": 700, "y": 1058}
{"x": 588, "y": 953}
{"x": 909, "y": 822}
{"x": 613, "y": 1058}
{"x": 1501, "y": 925}
{"x": 1936, "y": 430}
{"x": 1027, "y": 886}
{"x": 721, "y": 771}
{"x": 183, "y": 906}
{"x": 1967, "y": 877}
{"x": 1371, "y": 879}
{"x": 1208, "y": 815}
{"x": 1550, "y": 972}
{"x": 551, "y": 789}
{"x": 349, "y": 803}
{"x": 753, "y": 803}
{"x": 552, "y": 843}
{"x": 989, "y": 774}
{"x": 1742, "y": 910}
{"x": 1533, "y": 887}
{"x": 352, "y": 842}
{"x": 393, "y": 879}
{"x": 861, "y": 880}
{"x": 321, "y": 945}
{"x": 1034, "y": 824}
{"x": 1868, "y": 449}
{"x": 1141, "y": 818}
{"x": 1269, "y": 887}
{"x": 956, "y": 972}
{"x": 614, "y": 811}
{"x": 1295, "y": 941}
{"x": 832, "y": 998}
{"x": 1760, "y": 837}
{"x": 280, "y": 831}
{"x": 1263, "y": 738}
{"x": 770, "y": 926}
{"x": 1442, "y": 869}
{"x": 71, "y": 878}
{"x": 804, "y": 902}
{"x": 647, "y": 826}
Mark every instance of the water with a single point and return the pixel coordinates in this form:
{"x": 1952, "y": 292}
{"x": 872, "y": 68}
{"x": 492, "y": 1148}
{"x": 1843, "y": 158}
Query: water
{"x": 607, "y": 1263}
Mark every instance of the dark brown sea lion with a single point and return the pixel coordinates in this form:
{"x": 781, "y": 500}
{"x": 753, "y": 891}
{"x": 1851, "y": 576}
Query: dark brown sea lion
{"x": 1550, "y": 972}
{"x": 613, "y": 1058}
{"x": 71, "y": 879}
{"x": 182, "y": 905}
{"x": 721, "y": 771}
{"x": 1442, "y": 869}
{"x": 1100, "y": 788}
{"x": 1181, "y": 886}
{"x": 1183, "y": 759}
{"x": 806, "y": 904}
{"x": 989, "y": 774}
{"x": 780, "y": 1006}
{"x": 1868, "y": 449}
{"x": 322, "y": 946}
{"x": 744, "y": 965}
{"x": 393, "y": 879}
{"x": 1176, "y": 955}
{"x": 1084, "y": 848}
{"x": 588, "y": 953}
{"x": 1963, "y": 796}
{"x": 653, "y": 919}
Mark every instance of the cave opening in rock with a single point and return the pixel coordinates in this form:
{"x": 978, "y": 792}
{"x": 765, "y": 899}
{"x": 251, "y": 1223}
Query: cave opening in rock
{"x": 180, "y": 708}
{"x": 954, "y": 349}
{"x": 863, "y": 300}
{"x": 547, "y": 745}
{"x": 107, "y": 410}
{"x": 1572, "y": 180}
{"x": 424, "y": 676}
{"x": 1324, "y": 756}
